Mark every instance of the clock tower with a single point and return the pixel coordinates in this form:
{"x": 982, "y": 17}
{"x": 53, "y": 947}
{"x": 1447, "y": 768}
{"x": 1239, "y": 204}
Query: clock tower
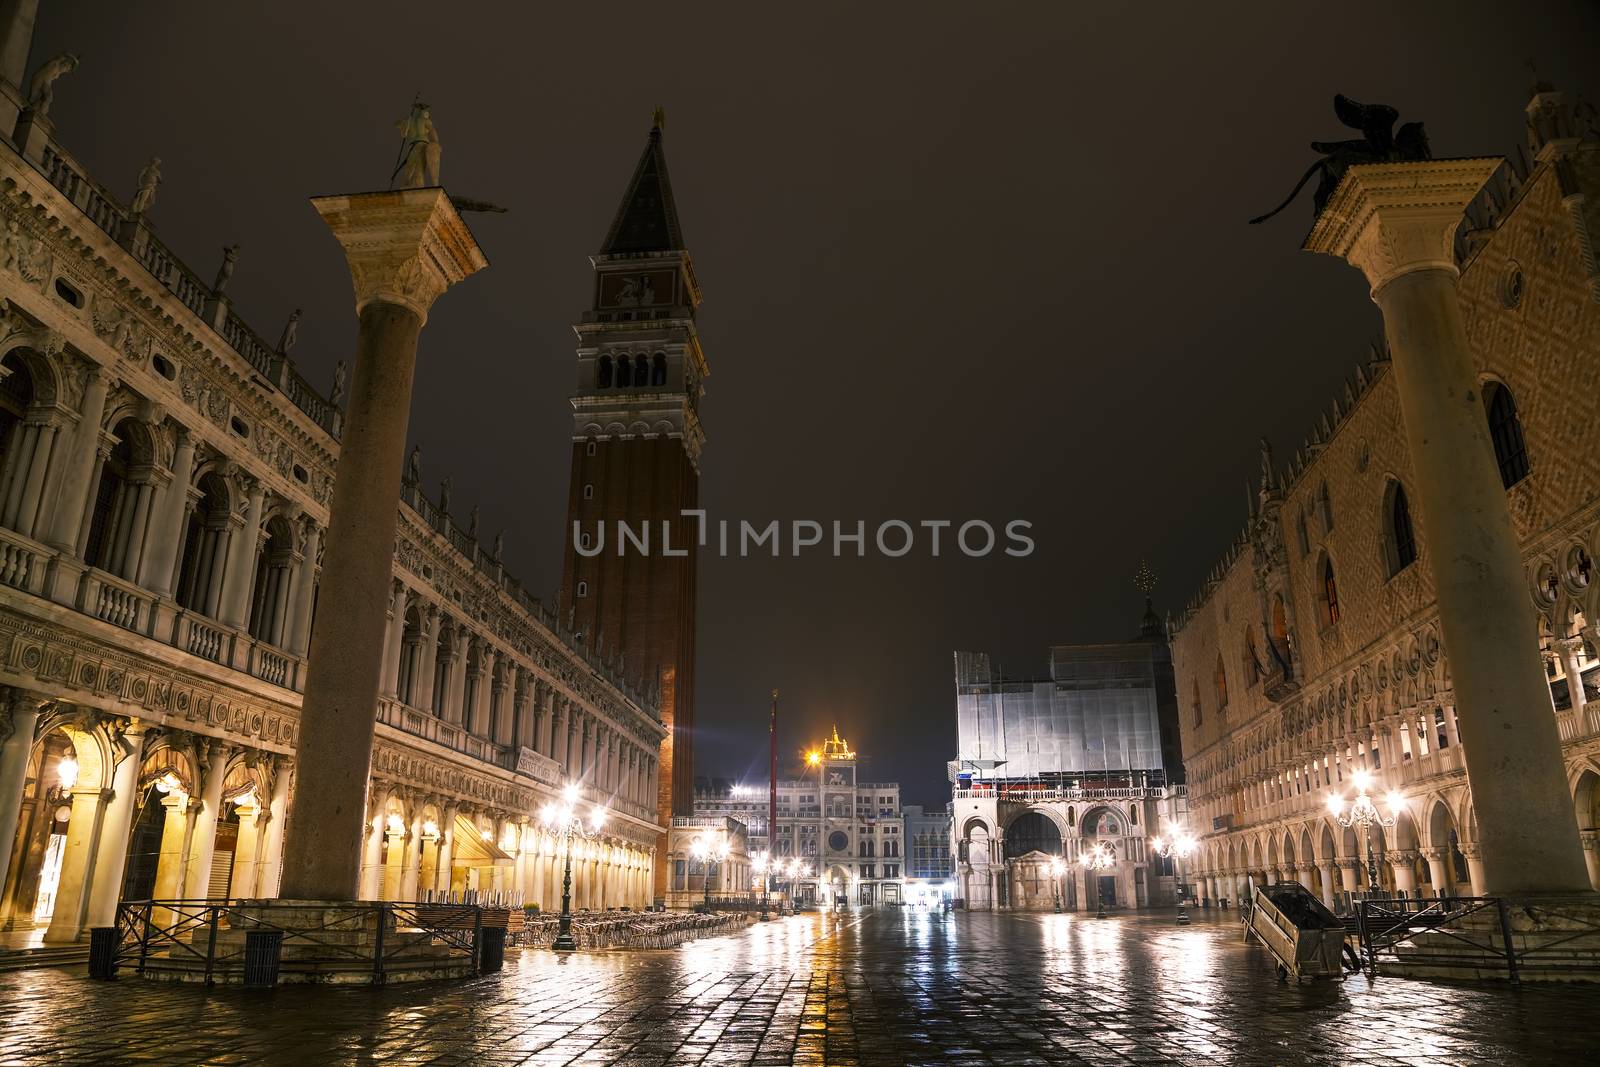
{"x": 636, "y": 442}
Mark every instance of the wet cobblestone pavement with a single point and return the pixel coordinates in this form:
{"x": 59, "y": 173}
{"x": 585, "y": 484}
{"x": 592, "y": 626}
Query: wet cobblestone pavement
{"x": 873, "y": 987}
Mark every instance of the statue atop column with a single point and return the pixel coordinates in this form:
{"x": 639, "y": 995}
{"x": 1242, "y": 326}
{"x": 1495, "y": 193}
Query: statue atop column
{"x": 149, "y": 178}
{"x": 420, "y": 151}
{"x": 1378, "y": 143}
{"x": 42, "y": 89}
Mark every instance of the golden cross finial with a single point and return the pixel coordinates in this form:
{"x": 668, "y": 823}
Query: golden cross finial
{"x": 1145, "y": 579}
{"x": 659, "y": 117}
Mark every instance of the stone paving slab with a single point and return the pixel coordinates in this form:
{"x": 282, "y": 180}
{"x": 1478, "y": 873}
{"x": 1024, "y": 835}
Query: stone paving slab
{"x": 876, "y": 987}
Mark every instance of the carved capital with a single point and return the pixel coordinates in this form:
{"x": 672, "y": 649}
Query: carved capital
{"x": 403, "y": 247}
{"x": 1389, "y": 219}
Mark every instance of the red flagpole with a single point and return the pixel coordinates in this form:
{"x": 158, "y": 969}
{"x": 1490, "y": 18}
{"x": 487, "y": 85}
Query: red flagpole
{"x": 772, "y": 782}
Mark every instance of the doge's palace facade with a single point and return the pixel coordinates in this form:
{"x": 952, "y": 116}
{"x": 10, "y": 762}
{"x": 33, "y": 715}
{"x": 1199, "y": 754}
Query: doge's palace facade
{"x": 1312, "y": 659}
{"x": 164, "y": 482}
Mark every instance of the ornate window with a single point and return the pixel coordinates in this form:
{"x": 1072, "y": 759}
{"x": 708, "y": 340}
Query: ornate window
{"x": 602, "y": 373}
{"x": 16, "y": 394}
{"x": 624, "y": 372}
{"x": 641, "y": 371}
{"x": 1252, "y": 659}
{"x": 1505, "y": 430}
{"x": 1222, "y": 684}
{"x": 1198, "y": 716}
{"x": 1330, "y": 595}
{"x": 1400, "y": 540}
{"x": 658, "y": 369}
{"x": 113, "y": 504}
{"x": 1325, "y": 507}
{"x": 205, "y": 548}
{"x": 269, "y": 605}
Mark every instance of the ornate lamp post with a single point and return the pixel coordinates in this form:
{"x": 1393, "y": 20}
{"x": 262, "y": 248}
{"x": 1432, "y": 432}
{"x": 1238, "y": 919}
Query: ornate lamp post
{"x": 1098, "y": 858}
{"x": 1180, "y": 846}
{"x": 1365, "y": 814}
{"x": 710, "y": 853}
{"x": 1058, "y": 867}
{"x": 763, "y": 865}
{"x": 564, "y": 819}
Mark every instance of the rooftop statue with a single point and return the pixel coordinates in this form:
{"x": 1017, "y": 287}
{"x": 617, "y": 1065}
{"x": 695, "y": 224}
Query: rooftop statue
{"x": 42, "y": 90}
{"x": 420, "y": 151}
{"x": 1378, "y": 143}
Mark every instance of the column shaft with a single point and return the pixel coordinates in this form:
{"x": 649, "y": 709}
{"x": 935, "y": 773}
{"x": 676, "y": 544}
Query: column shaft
{"x": 334, "y": 751}
{"x": 1526, "y": 824}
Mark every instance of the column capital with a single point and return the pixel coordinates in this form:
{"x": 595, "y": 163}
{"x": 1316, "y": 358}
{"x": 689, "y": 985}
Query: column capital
{"x": 1389, "y": 219}
{"x": 404, "y": 247}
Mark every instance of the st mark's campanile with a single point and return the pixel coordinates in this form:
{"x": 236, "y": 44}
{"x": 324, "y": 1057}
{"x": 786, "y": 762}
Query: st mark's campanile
{"x": 636, "y": 442}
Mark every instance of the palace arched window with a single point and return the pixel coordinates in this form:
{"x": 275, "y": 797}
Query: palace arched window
{"x": 1325, "y": 507}
{"x": 658, "y": 369}
{"x": 110, "y": 511}
{"x": 269, "y": 606}
{"x": 410, "y": 657}
{"x": 1198, "y": 714}
{"x": 205, "y": 547}
{"x": 583, "y": 589}
{"x": 641, "y": 371}
{"x": 1329, "y": 595}
{"x": 1222, "y": 684}
{"x": 1252, "y": 658}
{"x": 16, "y": 394}
{"x": 602, "y": 373}
{"x": 624, "y": 371}
{"x": 1505, "y": 431}
{"x": 1400, "y": 541}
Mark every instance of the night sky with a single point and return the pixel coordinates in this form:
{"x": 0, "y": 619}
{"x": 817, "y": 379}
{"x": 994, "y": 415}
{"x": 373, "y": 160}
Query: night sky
{"x": 959, "y": 261}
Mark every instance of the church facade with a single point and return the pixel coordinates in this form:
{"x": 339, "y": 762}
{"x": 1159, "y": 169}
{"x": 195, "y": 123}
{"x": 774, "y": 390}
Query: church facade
{"x": 1312, "y": 661}
{"x": 165, "y": 475}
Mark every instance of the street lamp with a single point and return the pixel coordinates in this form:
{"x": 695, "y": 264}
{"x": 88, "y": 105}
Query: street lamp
{"x": 1098, "y": 858}
{"x": 1058, "y": 867}
{"x": 1365, "y": 814}
{"x": 763, "y": 864}
{"x": 710, "y": 853}
{"x": 564, "y": 820}
{"x": 1179, "y": 846}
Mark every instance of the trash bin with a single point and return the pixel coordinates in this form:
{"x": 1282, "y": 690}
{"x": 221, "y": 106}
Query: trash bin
{"x": 103, "y": 944}
{"x": 492, "y": 949}
{"x": 263, "y": 949}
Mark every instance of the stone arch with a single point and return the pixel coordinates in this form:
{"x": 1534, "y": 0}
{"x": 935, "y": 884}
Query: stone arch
{"x": 35, "y": 351}
{"x": 1327, "y": 844}
{"x": 1033, "y": 830}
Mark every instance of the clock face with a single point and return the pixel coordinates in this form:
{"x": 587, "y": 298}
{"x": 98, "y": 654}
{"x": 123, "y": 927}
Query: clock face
{"x": 838, "y": 841}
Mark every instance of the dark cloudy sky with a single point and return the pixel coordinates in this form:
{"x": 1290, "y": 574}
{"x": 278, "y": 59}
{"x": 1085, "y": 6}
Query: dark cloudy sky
{"x": 959, "y": 260}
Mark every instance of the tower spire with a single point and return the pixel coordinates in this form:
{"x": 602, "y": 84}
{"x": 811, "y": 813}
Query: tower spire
{"x": 647, "y": 218}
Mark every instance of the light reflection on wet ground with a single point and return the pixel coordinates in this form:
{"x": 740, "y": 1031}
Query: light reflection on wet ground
{"x": 887, "y": 986}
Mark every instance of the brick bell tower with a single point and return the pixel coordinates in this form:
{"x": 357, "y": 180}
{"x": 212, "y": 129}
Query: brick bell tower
{"x": 636, "y": 443}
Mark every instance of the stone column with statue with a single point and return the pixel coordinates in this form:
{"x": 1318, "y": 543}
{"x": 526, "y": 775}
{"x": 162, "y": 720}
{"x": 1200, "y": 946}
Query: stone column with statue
{"x": 404, "y": 247}
{"x": 1392, "y": 211}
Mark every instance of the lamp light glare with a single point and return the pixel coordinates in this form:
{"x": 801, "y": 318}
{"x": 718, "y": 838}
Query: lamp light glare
{"x": 67, "y": 772}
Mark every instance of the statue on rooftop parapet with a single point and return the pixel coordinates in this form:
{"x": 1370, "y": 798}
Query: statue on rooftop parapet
{"x": 42, "y": 89}
{"x": 336, "y": 397}
{"x": 1378, "y": 143}
{"x": 290, "y": 335}
{"x": 414, "y": 466}
{"x": 149, "y": 178}
{"x": 420, "y": 151}
{"x": 230, "y": 257}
